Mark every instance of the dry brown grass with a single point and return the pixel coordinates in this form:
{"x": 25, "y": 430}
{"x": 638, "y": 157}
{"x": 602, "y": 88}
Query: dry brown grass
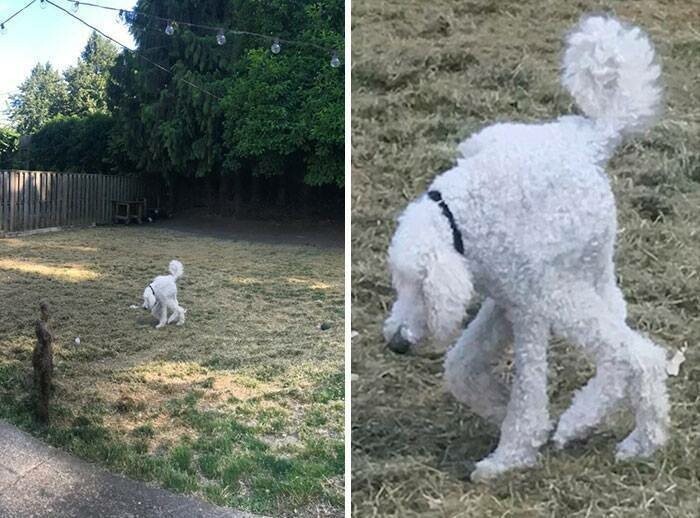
{"x": 205, "y": 407}
{"x": 426, "y": 74}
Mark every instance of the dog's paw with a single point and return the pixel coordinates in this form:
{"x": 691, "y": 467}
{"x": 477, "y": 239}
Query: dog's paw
{"x": 486, "y": 469}
{"x": 159, "y": 326}
{"x": 179, "y": 323}
{"x": 635, "y": 446}
{"x": 492, "y": 467}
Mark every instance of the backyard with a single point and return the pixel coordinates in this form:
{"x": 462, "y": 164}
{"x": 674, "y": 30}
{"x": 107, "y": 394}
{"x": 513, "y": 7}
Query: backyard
{"x": 426, "y": 75}
{"x": 242, "y": 406}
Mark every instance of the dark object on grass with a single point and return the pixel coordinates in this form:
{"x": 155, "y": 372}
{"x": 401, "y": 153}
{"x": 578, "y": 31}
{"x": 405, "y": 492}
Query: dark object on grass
{"x": 398, "y": 343}
{"x": 325, "y": 326}
{"x": 42, "y": 361}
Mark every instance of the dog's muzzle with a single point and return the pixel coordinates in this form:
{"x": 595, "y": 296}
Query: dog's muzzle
{"x": 398, "y": 343}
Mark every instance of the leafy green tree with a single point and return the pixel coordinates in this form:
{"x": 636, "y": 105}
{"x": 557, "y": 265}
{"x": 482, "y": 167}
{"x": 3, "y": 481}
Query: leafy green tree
{"x": 9, "y": 140}
{"x": 88, "y": 80}
{"x": 42, "y": 96}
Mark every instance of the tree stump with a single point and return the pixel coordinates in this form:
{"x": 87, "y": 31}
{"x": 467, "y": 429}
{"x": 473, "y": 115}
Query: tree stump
{"x": 42, "y": 361}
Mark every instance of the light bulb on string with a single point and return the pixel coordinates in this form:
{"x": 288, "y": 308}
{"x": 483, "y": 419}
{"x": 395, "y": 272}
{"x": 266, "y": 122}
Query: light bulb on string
{"x": 3, "y": 29}
{"x": 220, "y": 37}
{"x": 169, "y": 29}
{"x": 335, "y": 60}
{"x": 75, "y": 7}
{"x": 43, "y": 4}
{"x": 276, "y": 47}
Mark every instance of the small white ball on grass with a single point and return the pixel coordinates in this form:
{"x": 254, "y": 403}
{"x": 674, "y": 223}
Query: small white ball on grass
{"x": 77, "y": 340}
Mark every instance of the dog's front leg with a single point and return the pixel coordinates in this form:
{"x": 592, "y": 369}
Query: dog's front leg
{"x": 526, "y": 425}
{"x": 470, "y": 363}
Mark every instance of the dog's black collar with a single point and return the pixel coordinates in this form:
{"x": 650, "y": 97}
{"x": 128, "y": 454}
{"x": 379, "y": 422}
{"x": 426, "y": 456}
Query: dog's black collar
{"x": 456, "y": 234}
{"x": 152, "y": 290}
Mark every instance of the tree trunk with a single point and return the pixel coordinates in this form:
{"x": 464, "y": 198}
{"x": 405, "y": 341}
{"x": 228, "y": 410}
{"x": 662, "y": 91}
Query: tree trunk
{"x": 238, "y": 193}
{"x": 224, "y": 194}
{"x": 256, "y": 184}
{"x": 305, "y": 206}
{"x": 210, "y": 195}
{"x": 282, "y": 191}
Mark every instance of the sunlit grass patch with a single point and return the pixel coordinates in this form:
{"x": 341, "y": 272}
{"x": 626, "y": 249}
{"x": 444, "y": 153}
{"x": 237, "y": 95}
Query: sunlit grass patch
{"x": 186, "y": 407}
{"x": 65, "y": 272}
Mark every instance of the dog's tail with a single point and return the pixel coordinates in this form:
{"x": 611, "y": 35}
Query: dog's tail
{"x": 610, "y": 69}
{"x": 176, "y": 269}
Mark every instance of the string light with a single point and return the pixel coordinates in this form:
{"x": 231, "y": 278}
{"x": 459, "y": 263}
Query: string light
{"x": 130, "y": 17}
{"x": 276, "y": 47}
{"x": 3, "y": 22}
{"x": 135, "y": 52}
{"x": 220, "y": 37}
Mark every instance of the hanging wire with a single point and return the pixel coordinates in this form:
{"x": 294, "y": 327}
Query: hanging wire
{"x": 16, "y": 13}
{"x": 135, "y": 52}
{"x": 126, "y": 14}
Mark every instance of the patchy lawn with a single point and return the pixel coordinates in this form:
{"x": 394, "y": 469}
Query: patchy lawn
{"x": 425, "y": 75}
{"x": 242, "y": 405}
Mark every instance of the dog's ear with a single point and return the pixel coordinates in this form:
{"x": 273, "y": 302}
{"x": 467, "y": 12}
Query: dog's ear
{"x": 447, "y": 290}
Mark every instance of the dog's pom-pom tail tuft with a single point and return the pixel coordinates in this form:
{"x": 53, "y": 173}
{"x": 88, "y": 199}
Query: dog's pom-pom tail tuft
{"x": 611, "y": 71}
{"x": 176, "y": 269}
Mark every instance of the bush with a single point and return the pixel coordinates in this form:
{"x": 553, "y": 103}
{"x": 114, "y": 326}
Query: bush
{"x": 9, "y": 141}
{"x": 76, "y": 144}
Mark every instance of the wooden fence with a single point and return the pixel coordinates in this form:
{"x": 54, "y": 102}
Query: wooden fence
{"x": 35, "y": 200}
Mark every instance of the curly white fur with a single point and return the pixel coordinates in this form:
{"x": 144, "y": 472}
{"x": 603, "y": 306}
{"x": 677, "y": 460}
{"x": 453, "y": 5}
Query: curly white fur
{"x": 160, "y": 296}
{"x": 610, "y": 69}
{"x": 538, "y": 221}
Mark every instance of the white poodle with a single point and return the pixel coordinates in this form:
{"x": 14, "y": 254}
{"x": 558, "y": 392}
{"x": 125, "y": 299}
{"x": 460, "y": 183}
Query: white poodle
{"x": 161, "y": 296}
{"x": 527, "y": 219}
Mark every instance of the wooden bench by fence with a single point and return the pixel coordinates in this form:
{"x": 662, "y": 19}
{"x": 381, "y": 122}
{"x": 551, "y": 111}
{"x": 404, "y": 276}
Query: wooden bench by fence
{"x": 128, "y": 211}
{"x": 36, "y": 200}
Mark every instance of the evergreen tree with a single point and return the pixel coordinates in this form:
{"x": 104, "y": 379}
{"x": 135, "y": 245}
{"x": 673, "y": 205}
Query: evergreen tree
{"x": 42, "y": 96}
{"x": 88, "y": 80}
{"x": 263, "y": 116}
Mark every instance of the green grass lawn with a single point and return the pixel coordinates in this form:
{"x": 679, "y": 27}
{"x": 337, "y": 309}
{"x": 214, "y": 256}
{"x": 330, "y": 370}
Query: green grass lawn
{"x": 243, "y": 405}
{"x": 426, "y": 75}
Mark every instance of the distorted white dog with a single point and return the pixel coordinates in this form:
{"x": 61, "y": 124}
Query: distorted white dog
{"x": 160, "y": 296}
{"x": 527, "y": 219}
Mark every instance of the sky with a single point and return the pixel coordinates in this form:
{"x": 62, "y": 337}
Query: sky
{"x": 40, "y": 35}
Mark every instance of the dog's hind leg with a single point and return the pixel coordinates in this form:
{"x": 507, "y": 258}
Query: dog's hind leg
{"x": 178, "y": 313}
{"x": 590, "y": 324}
{"x": 175, "y": 308}
{"x": 648, "y": 398}
{"x": 623, "y": 358}
{"x": 469, "y": 364}
{"x": 162, "y": 315}
{"x": 609, "y": 291}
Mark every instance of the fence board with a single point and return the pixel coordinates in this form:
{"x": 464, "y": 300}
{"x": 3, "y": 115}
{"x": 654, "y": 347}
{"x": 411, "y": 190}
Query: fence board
{"x": 35, "y": 200}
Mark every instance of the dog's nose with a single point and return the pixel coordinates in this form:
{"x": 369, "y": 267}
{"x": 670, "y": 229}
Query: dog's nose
{"x": 398, "y": 343}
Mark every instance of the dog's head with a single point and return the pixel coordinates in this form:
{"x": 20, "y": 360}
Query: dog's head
{"x": 432, "y": 280}
{"x": 149, "y": 298}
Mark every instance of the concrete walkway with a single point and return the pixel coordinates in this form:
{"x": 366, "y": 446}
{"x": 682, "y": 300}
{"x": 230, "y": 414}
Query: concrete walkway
{"x": 37, "y": 480}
